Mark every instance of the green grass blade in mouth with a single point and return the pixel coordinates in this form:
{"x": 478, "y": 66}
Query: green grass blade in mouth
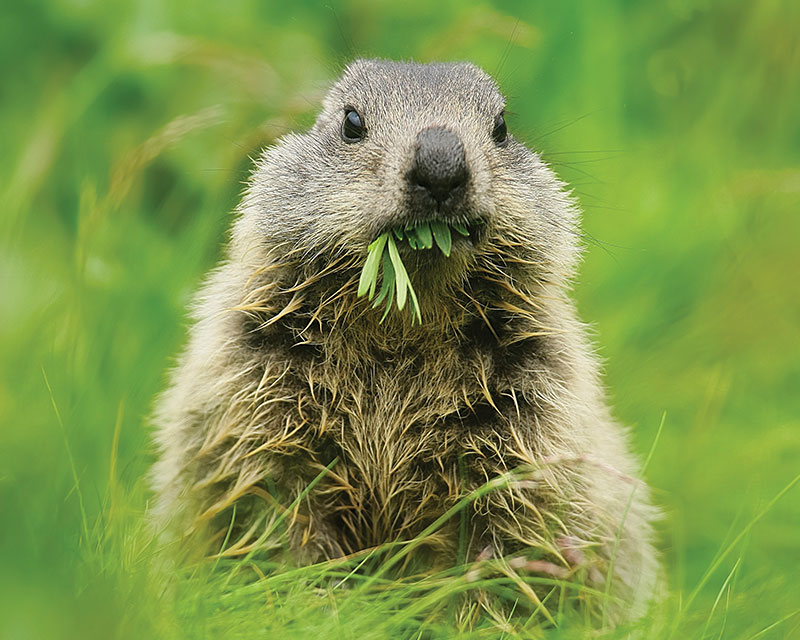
{"x": 369, "y": 274}
{"x": 413, "y": 239}
{"x": 461, "y": 228}
{"x": 383, "y": 252}
{"x": 441, "y": 233}
{"x": 387, "y": 285}
{"x": 415, "y": 312}
{"x": 401, "y": 275}
{"x": 390, "y": 288}
{"x": 424, "y": 234}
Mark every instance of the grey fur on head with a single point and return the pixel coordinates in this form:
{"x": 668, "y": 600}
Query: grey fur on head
{"x": 286, "y": 370}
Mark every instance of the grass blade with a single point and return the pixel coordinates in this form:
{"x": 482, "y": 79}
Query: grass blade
{"x": 369, "y": 274}
{"x": 70, "y": 457}
{"x": 441, "y": 233}
{"x": 413, "y": 240}
{"x": 387, "y": 284}
{"x": 424, "y": 234}
{"x": 775, "y": 624}
{"x": 389, "y": 300}
{"x": 732, "y": 545}
{"x": 402, "y": 283}
{"x": 383, "y": 251}
{"x": 460, "y": 228}
{"x": 415, "y": 312}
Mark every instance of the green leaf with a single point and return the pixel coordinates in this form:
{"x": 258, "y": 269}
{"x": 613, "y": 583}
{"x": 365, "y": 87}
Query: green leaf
{"x": 387, "y": 285}
{"x": 402, "y": 283}
{"x": 424, "y": 234}
{"x": 394, "y": 279}
{"x": 378, "y": 243}
{"x": 462, "y": 229}
{"x": 441, "y": 233}
{"x": 369, "y": 274}
{"x": 389, "y": 300}
{"x": 415, "y": 313}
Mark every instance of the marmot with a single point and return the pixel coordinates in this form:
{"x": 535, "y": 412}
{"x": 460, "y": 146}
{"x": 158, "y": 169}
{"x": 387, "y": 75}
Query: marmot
{"x": 287, "y": 371}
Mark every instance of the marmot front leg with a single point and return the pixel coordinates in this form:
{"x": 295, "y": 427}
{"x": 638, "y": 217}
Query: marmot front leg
{"x": 560, "y": 518}
{"x": 529, "y": 530}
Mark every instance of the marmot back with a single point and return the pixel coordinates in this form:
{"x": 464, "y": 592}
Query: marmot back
{"x": 288, "y": 371}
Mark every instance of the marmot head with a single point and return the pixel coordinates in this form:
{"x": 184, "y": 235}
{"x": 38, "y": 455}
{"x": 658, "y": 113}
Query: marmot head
{"x": 400, "y": 143}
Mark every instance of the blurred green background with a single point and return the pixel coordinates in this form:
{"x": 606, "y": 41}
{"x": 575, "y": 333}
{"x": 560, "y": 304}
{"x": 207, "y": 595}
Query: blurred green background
{"x": 128, "y": 128}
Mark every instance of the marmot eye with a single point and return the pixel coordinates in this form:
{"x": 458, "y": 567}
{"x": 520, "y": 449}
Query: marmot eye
{"x": 353, "y": 127}
{"x": 500, "y": 132}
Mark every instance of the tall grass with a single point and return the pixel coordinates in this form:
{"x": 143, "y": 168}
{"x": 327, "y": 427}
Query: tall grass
{"x": 127, "y": 131}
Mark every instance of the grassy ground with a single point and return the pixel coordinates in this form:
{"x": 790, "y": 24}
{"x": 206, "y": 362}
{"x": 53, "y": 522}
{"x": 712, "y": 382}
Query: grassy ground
{"x": 126, "y": 129}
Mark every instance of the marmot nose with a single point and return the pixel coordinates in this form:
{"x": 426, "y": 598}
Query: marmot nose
{"x": 440, "y": 165}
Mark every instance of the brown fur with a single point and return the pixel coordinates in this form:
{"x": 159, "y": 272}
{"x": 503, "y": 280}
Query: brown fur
{"x": 286, "y": 370}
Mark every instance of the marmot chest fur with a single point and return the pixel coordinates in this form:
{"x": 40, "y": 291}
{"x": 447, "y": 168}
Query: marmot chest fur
{"x": 291, "y": 379}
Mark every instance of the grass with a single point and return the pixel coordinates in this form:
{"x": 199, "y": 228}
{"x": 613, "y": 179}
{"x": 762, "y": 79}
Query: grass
{"x": 383, "y": 257}
{"x": 127, "y": 128}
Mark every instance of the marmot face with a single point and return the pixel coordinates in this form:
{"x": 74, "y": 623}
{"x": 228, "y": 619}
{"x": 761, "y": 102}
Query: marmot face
{"x": 399, "y": 143}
